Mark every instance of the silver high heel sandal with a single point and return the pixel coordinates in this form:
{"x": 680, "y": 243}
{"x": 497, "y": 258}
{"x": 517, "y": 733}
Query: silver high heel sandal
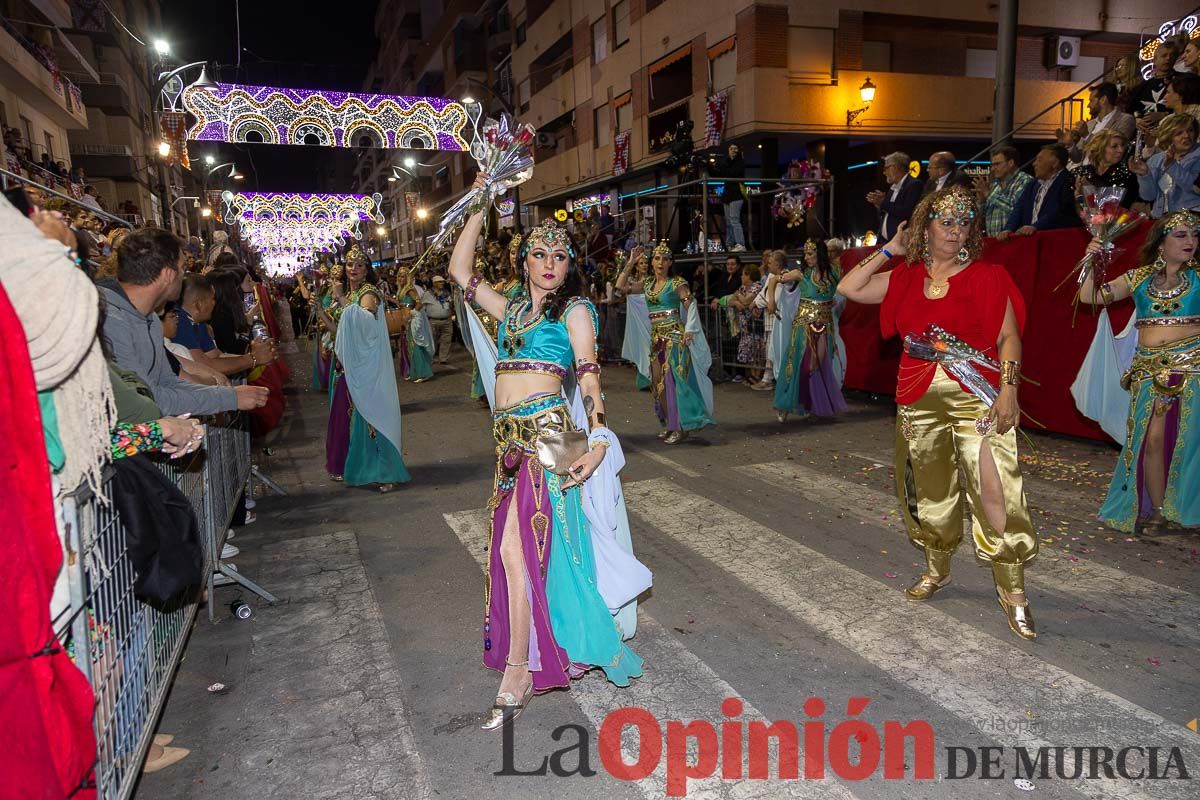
{"x": 507, "y": 707}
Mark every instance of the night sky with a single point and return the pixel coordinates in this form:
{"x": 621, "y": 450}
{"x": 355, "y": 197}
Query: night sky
{"x": 283, "y": 44}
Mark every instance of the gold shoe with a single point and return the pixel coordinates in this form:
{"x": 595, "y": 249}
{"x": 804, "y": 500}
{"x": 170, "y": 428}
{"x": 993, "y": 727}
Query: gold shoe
{"x": 506, "y": 709}
{"x": 1155, "y": 524}
{"x": 337, "y": 478}
{"x": 925, "y": 588}
{"x": 663, "y": 434}
{"x": 1020, "y": 618}
{"x": 384, "y": 488}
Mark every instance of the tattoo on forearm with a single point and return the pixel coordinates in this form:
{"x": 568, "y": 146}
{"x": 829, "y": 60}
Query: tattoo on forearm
{"x": 589, "y": 405}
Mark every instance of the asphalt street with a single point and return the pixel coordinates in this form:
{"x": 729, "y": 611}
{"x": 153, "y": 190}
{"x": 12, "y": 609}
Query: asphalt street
{"x": 779, "y": 566}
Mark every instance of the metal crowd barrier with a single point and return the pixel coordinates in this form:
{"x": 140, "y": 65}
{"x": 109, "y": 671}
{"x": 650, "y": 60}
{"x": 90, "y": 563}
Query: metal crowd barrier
{"x": 128, "y": 649}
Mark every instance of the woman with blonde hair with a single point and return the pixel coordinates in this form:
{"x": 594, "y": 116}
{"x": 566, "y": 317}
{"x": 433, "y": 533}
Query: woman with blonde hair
{"x": 1169, "y": 176}
{"x": 1104, "y": 165}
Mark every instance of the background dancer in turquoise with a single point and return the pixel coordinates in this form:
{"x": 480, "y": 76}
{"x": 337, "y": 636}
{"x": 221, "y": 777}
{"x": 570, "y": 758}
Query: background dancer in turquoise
{"x": 663, "y": 338}
{"x": 805, "y": 345}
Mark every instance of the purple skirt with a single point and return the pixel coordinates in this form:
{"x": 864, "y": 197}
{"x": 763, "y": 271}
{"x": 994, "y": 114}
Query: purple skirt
{"x": 337, "y": 431}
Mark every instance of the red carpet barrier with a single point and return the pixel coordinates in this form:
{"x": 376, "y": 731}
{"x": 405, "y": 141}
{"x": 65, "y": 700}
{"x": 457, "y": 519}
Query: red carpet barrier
{"x": 1054, "y": 347}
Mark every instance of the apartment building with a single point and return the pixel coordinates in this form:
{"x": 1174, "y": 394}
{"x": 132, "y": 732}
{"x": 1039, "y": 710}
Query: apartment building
{"x": 459, "y": 49}
{"x": 119, "y": 147}
{"x": 36, "y": 98}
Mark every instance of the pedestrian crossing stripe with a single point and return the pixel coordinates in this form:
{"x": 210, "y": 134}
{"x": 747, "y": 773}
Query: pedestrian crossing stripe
{"x": 1126, "y": 595}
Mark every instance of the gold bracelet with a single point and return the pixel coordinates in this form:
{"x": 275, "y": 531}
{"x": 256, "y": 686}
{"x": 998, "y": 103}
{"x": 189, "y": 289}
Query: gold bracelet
{"x": 868, "y": 258}
{"x": 1106, "y": 293}
{"x": 1010, "y": 373}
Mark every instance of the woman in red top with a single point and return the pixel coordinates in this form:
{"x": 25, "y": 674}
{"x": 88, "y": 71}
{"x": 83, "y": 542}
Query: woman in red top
{"x": 941, "y": 427}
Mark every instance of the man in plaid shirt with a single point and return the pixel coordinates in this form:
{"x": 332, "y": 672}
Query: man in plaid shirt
{"x": 999, "y": 196}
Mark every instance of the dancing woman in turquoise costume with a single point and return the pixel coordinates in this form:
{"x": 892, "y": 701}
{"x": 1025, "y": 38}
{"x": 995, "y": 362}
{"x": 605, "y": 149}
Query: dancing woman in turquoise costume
{"x": 1147, "y": 393}
{"x": 562, "y": 579}
{"x": 416, "y": 340}
{"x": 805, "y": 343}
{"x": 363, "y": 442}
{"x": 663, "y": 338}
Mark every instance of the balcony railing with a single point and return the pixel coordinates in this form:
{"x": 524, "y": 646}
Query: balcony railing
{"x": 101, "y": 150}
{"x": 66, "y": 90}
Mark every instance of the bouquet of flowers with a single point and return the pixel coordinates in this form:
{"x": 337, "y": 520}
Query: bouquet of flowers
{"x": 793, "y": 205}
{"x": 1102, "y": 215}
{"x": 504, "y": 152}
{"x": 959, "y": 358}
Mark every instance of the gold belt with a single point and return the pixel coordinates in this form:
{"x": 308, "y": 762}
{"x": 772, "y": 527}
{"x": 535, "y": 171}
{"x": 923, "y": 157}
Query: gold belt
{"x": 816, "y": 314}
{"x": 523, "y": 431}
{"x": 1161, "y": 362}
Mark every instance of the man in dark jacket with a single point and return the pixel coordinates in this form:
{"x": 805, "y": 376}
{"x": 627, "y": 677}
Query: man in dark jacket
{"x": 897, "y": 203}
{"x": 732, "y": 166}
{"x": 944, "y": 173}
{"x": 1048, "y": 202}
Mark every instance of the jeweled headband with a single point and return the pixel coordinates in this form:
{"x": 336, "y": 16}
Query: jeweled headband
{"x": 514, "y": 245}
{"x": 1180, "y": 219}
{"x": 810, "y": 246}
{"x": 336, "y": 271}
{"x": 550, "y": 235}
{"x": 955, "y": 203}
{"x": 663, "y": 249}
{"x": 356, "y": 256}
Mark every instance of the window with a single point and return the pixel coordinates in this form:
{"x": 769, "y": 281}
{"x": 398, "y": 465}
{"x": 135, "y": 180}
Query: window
{"x": 671, "y": 79}
{"x": 624, "y": 114}
{"x": 523, "y": 96}
{"x": 620, "y": 23}
{"x": 521, "y": 33}
{"x": 48, "y": 138}
{"x": 27, "y": 129}
{"x": 652, "y": 4}
{"x": 981, "y": 63}
{"x": 599, "y": 40}
{"x": 603, "y": 126}
{"x": 722, "y": 67}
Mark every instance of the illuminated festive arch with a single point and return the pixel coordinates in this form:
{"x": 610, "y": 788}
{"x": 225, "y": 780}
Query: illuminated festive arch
{"x": 336, "y": 208}
{"x": 228, "y": 112}
{"x": 1168, "y": 30}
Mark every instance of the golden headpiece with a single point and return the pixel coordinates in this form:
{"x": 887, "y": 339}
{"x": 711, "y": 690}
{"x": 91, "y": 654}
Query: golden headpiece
{"x": 1180, "y": 219}
{"x": 356, "y": 256}
{"x": 956, "y": 203}
{"x": 336, "y": 271}
{"x": 810, "y": 246}
{"x": 514, "y": 245}
{"x": 663, "y": 249}
{"x": 551, "y": 235}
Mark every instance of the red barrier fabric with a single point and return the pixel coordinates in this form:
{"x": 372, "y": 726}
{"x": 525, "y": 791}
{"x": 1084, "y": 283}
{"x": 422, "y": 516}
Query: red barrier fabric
{"x": 1056, "y": 337}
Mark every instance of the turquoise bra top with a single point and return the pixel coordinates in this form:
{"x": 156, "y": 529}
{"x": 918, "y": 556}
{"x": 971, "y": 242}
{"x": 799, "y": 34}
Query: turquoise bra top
{"x": 541, "y": 346}
{"x": 667, "y": 299}
{"x": 1178, "y": 306}
{"x": 811, "y": 290}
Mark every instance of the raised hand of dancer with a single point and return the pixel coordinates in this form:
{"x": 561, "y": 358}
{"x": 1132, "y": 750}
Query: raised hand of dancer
{"x": 898, "y": 246}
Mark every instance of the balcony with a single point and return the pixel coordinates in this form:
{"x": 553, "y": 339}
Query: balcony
{"x": 110, "y": 95}
{"x": 29, "y": 71}
{"x": 113, "y": 161}
{"x": 552, "y": 100}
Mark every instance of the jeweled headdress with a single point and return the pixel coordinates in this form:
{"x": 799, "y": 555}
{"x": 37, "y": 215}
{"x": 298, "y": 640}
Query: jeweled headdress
{"x": 956, "y": 203}
{"x": 1180, "y": 219}
{"x": 356, "y": 255}
{"x": 551, "y": 235}
{"x": 336, "y": 271}
{"x": 514, "y": 245}
{"x": 662, "y": 249}
{"x": 810, "y": 246}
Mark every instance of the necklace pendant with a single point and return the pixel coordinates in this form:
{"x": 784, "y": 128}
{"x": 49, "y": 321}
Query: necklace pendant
{"x": 938, "y": 291}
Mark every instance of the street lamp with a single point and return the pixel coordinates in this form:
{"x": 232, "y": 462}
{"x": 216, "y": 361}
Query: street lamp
{"x": 867, "y": 93}
{"x": 164, "y": 149}
{"x": 422, "y": 214}
{"x": 410, "y": 162}
{"x": 162, "y": 47}
{"x": 467, "y": 100}
{"x": 209, "y": 160}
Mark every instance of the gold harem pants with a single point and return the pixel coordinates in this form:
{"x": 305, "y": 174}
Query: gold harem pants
{"x": 936, "y": 437}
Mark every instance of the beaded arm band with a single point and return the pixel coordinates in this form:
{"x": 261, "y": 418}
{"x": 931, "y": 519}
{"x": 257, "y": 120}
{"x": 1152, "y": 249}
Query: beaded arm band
{"x": 586, "y": 368}
{"x": 472, "y": 285}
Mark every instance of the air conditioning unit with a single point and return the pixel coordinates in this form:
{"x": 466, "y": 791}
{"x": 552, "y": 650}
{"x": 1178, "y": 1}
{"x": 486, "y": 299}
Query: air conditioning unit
{"x": 545, "y": 140}
{"x": 1062, "y": 51}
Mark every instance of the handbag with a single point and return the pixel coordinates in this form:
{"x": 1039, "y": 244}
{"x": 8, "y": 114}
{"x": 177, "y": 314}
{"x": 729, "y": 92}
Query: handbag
{"x": 558, "y": 451}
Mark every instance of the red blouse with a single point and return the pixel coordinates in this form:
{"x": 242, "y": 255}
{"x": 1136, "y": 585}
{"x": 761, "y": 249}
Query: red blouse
{"x": 973, "y": 310}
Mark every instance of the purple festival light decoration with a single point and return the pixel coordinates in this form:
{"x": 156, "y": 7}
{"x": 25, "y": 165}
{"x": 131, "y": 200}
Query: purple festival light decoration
{"x": 229, "y": 112}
